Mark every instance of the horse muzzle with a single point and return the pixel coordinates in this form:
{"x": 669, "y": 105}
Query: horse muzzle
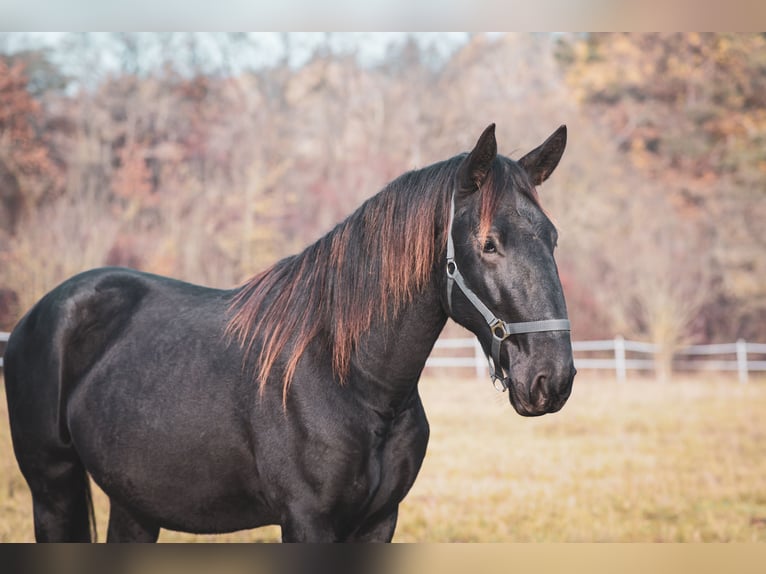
{"x": 545, "y": 392}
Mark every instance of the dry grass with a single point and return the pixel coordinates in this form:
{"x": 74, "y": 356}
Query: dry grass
{"x": 639, "y": 462}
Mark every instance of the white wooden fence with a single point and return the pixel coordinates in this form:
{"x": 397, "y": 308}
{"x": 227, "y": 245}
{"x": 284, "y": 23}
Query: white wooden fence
{"x": 3, "y": 340}
{"x": 621, "y": 356}
{"x": 618, "y": 355}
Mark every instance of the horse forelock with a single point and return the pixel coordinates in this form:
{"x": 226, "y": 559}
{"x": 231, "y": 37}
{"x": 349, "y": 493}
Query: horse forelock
{"x": 504, "y": 178}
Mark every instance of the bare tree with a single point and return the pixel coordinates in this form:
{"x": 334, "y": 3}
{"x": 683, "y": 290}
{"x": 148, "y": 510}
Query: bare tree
{"x": 660, "y": 272}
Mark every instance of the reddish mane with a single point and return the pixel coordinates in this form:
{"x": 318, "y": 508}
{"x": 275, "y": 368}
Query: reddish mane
{"x": 365, "y": 269}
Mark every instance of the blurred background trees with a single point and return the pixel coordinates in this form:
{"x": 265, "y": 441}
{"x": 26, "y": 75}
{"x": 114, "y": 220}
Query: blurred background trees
{"x": 210, "y": 156}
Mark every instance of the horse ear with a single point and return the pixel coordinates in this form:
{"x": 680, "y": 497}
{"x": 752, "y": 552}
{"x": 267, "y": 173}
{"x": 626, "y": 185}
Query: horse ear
{"x": 475, "y": 167}
{"x": 541, "y": 161}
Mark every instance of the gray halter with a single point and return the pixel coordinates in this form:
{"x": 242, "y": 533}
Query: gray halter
{"x": 499, "y": 328}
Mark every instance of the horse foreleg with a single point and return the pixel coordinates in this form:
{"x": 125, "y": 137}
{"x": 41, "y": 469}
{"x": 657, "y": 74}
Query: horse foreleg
{"x": 308, "y": 527}
{"x": 376, "y": 529}
{"x": 126, "y": 526}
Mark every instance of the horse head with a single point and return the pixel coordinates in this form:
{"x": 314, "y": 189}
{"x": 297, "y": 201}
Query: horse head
{"x": 502, "y": 279}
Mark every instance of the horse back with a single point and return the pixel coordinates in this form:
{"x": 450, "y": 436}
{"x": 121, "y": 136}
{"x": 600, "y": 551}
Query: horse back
{"x": 69, "y": 331}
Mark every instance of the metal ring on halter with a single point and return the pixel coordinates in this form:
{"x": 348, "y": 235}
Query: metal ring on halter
{"x": 503, "y": 385}
{"x": 495, "y": 378}
{"x": 451, "y": 268}
{"x": 498, "y": 329}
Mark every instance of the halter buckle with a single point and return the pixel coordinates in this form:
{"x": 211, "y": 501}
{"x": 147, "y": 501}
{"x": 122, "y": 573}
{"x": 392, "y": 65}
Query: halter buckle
{"x": 498, "y": 330}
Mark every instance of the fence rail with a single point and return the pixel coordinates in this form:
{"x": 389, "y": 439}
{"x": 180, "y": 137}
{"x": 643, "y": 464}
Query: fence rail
{"x": 3, "y": 339}
{"x": 617, "y": 360}
{"x": 620, "y": 355}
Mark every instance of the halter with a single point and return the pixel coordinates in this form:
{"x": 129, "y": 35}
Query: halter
{"x": 500, "y": 329}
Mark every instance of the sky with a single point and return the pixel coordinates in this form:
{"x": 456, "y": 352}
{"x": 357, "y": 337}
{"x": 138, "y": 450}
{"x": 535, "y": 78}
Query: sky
{"x": 83, "y": 54}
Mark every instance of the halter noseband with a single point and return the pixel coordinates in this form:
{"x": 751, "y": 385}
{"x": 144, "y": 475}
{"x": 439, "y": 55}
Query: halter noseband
{"x": 499, "y": 328}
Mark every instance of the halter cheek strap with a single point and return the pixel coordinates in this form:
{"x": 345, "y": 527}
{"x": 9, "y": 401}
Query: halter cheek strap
{"x": 500, "y": 329}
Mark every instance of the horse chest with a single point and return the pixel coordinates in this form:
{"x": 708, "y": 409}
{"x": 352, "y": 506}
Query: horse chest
{"x": 352, "y": 471}
{"x": 394, "y": 462}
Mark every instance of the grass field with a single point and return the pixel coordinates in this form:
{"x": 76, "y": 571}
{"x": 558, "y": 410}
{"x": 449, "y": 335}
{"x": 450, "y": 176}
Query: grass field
{"x": 638, "y": 462}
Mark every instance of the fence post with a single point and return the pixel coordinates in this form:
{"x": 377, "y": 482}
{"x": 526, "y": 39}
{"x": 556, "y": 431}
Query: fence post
{"x": 742, "y": 360}
{"x": 480, "y": 361}
{"x": 619, "y": 359}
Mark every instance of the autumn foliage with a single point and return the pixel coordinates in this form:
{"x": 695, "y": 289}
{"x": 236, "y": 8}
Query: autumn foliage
{"x": 211, "y": 176}
{"x": 26, "y": 169}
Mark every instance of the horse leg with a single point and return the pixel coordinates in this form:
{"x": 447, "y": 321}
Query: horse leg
{"x": 292, "y": 532}
{"x": 308, "y": 527}
{"x": 61, "y": 502}
{"x": 126, "y": 526}
{"x": 376, "y": 529}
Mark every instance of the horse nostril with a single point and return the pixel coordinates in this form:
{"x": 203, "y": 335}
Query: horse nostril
{"x": 538, "y": 390}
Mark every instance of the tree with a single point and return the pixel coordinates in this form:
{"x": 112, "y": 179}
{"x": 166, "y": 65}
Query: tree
{"x": 688, "y": 112}
{"x": 26, "y": 169}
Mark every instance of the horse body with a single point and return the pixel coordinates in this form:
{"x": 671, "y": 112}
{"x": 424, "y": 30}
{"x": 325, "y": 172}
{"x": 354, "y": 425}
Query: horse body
{"x": 173, "y": 408}
{"x": 151, "y": 385}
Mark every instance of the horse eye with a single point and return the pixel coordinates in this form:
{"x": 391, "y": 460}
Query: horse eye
{"x": 489, "y": 246}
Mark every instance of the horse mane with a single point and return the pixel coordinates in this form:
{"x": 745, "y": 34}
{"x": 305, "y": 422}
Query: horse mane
{"x": 365, "y": 269}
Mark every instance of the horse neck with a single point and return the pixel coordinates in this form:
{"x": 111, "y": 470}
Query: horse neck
{"x": 390, "y": 358}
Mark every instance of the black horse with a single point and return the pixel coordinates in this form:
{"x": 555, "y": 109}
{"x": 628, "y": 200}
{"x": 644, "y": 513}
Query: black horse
{"x": 293, "y": 399}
